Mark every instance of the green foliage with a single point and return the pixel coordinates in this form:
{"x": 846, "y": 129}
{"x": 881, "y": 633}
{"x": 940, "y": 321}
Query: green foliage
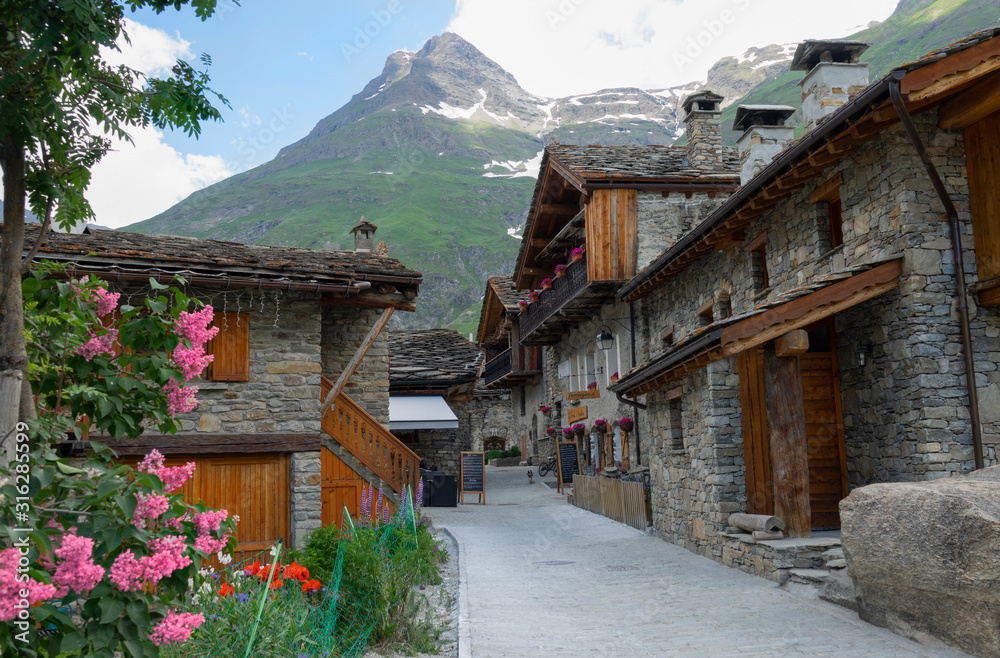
{"x": 117, "y": 392}
{"x": 499, "y": 454}
{"x": 56, "y": 84}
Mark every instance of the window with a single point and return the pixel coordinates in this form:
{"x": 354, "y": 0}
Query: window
{"x": 704, "y": 313}
{"x": 590, "y": 365}
{"x": 829, "y": 193}
{"x": 758, "y": 263}
{"x": 231, "y": 348}
{"x": 611, "y": 363}
{"x": 673, "y": 422}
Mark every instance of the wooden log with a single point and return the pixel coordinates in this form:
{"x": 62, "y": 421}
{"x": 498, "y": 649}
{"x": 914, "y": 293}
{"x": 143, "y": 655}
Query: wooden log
{"x": 760, "y": 522}
{"x": 760, "y": 535}
{"x": 786, "y": 424}
{"x": 792, "y": 344}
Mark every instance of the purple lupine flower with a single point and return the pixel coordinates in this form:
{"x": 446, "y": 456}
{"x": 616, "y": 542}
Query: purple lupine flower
{"x": 385, "y": 515}
{"x": 378, "y": 505}
{"x": 364, "y": 499}
{"x": 420, "y": 493}
{"x": 242, "y": 598}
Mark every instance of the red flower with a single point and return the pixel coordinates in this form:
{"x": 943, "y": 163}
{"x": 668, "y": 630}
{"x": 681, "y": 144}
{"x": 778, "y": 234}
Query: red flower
{"x": 297, "y": 572}
{"x": 311, "y": 586}
{"x": 277, "y": 584}
{"x": 226, "y": 590}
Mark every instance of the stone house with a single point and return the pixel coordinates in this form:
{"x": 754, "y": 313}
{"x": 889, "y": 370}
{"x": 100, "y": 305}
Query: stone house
{"x": 435, "y": 407}
{"x": 833, "y": 323}
{"x": 621, "y": 206}
{"x": 289, "y": 319}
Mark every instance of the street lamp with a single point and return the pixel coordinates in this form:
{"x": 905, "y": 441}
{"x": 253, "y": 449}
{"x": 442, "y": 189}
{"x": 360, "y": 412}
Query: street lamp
{"x": 605, "y": 339}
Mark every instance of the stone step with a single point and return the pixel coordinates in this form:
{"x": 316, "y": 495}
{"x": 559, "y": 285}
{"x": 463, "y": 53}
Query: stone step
{"x": 809, "y": 575}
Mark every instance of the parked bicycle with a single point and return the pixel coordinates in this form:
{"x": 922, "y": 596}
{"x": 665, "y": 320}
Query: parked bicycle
{"x": 546, "y": 466}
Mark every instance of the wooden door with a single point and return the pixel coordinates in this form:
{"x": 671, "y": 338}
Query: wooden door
{"x": 253, "y": 487}
{"x": 982, "y": 147}
{"x": 341, "y": 488}
{"x": 824, "y": 426}
{"x": 756, "y": 447}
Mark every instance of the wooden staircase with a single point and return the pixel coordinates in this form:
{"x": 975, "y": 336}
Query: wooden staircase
{"x": 371, "y": 444}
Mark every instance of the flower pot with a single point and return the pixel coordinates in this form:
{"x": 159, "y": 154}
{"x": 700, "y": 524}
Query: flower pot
{"x": 580, "y": 432}
{"x": 546, "y": 286}
{"x": 576, "y": 258}
{"x": 627, "y": 427}
{"x": 560, "y": 273}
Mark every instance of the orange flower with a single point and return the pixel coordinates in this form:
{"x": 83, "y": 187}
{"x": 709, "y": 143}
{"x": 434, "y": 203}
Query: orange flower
{"x": 277, "y": 584}
{"x": 311, "y": 586}
{"x": 297, "y": 571}
{"x": 226, "y": 590}
{"x": 253, "y": 569}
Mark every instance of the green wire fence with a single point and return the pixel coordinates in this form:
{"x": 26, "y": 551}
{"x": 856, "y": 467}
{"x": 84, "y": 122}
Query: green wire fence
{"x": 262, "y": 606}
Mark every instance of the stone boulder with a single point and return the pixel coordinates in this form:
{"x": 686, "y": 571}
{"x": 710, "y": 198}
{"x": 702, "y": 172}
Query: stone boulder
{"x": 925, "y": 558}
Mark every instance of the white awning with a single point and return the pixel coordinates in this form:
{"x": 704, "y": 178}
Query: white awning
{"x": 420, "y": 412}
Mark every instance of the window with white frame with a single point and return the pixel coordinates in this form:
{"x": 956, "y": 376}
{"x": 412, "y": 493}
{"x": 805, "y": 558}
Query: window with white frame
{"x": 590, "y": 365}
{"x": 611, "y": 365}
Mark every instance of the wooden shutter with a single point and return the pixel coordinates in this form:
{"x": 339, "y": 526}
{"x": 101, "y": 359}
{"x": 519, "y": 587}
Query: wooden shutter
{"x": 756, "y": 448}
{"x": 982, "y": 149}
{"x": 231, "y": 348}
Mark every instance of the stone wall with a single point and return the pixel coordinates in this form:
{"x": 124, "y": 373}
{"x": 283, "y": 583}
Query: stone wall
{"x": 442, "y": 448}
{"x": 663, "y": 220}
{"x": 307, "y": 505}
{"x": 344, "y": 329}
{"x": 490, "y": 417}
{"x": 906, "y": 411}
{"x": 282, "y": 395}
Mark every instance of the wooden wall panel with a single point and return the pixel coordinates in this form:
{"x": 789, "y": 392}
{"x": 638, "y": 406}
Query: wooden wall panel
{"x": 756, "y": 451}
{"x": 982, "y": 147}
{"x": 231, "y": 348}
{"x": 825, "y": 433}
{"x": 611, "y": 227}
{"x": 341, "y": 487}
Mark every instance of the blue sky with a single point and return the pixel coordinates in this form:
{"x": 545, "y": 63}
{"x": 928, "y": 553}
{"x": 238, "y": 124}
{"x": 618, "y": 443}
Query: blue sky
{"x": 286, "y": 65}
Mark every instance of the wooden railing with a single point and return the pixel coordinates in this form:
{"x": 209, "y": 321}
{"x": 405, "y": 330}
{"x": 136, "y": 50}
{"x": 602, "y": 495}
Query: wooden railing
{"x": 370, "y": 442}
{"x": 497, "y": 367}
{"x": 564, "y": 288}
{"x": 625, "y": 502}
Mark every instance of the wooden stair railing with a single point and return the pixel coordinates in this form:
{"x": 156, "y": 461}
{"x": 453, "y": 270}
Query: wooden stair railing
{"x": 370, "y": 442}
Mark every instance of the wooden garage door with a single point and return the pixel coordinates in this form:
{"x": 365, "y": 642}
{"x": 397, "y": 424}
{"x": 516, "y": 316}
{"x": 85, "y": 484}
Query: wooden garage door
{"x": 824, "y": 426}
{"x": 253, "y": 487}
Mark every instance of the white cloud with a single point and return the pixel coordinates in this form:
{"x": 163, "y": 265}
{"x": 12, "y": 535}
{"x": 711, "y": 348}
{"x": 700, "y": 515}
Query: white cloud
{"x": 149, "y": 50}
{"x": 138, "y": 181}
{"x": 576, "y": 46}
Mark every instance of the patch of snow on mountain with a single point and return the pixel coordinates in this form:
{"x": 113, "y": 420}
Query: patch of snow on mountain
{"x": 532, "y": 167}
{"x": 387, "y": 173}
{"x": 372, "y": 96}
{"x": 512, "y": 232}
{"x": 769, "y": 62}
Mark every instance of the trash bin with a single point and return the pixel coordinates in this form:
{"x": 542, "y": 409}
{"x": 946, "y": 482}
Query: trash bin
{"x": 440, "y": 490}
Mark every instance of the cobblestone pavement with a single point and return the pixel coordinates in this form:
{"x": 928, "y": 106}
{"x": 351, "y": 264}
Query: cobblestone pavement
{"x": 540, "y": 577}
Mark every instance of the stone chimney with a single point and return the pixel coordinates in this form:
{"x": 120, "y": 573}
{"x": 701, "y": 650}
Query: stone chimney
{"x": 833, "y": 74}
{"x": 703, "y": 112}
{"x": 765, "y": 135}
{"x": 363, "y": 233}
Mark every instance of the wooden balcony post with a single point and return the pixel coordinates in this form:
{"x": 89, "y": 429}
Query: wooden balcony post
{"x": 786, "y": 421}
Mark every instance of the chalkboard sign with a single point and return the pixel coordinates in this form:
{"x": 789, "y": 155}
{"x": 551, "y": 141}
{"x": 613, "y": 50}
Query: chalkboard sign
{"x": 472, "y": 477}
{"x": 569, "y": 462}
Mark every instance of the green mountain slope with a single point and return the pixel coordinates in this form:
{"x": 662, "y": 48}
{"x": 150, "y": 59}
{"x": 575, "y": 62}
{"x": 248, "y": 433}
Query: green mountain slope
{"x": 916, "y": 27}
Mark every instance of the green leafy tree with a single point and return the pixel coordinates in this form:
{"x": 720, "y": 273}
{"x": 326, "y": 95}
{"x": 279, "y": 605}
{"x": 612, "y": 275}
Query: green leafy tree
{"x": 55, "y": 88}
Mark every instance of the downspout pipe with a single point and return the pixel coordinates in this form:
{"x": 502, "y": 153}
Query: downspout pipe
{"x": 956, "y": 250}
{"x": 636, "y": 405}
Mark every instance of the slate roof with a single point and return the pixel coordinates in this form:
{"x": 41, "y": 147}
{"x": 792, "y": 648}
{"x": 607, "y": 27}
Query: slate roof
{"x": 106, "y": 250}
{"x": 432, "y": 358}
{"x": 503, "y": 286}
{"x": 639, "y": 163}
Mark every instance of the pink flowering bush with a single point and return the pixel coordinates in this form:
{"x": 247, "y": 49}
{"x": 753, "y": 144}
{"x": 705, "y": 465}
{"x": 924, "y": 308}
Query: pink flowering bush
{"x": 111, "y": 554}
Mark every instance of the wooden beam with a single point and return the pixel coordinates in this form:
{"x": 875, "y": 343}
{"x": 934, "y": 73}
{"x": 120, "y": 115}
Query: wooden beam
{"x": 366, "y": 344}
{"x": 201, "y": 443}
{"x": 803, "y": 311}
{"x": 971, "y": 105}
{"x": 558, "y": 209}
{"x": 828, "y": 190}
{"x": 793, "y": 343}
{"x": 758, "y": 242}
{"x": 989, "y": 297}
{"x": 786, "y": 427}
{"x": 373, "y": 300}
{"x": 949, "y": 73}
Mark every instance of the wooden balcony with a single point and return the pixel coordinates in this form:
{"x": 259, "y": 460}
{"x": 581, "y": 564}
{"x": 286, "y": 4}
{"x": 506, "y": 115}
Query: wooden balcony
{"x": 513, "y": 366}
{"x": 370, "y": 442}
{"x": 573, "y": 298}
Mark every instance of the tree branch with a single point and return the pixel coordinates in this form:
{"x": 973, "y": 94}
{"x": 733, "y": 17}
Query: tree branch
{"x": 26, "y": 263}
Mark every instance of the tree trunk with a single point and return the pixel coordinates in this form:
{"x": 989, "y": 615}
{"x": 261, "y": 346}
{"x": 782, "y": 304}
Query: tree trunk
{"x": 13, "y": 355}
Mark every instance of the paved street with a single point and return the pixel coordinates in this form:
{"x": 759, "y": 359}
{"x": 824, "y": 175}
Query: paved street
{"x": 540, "y": 577}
